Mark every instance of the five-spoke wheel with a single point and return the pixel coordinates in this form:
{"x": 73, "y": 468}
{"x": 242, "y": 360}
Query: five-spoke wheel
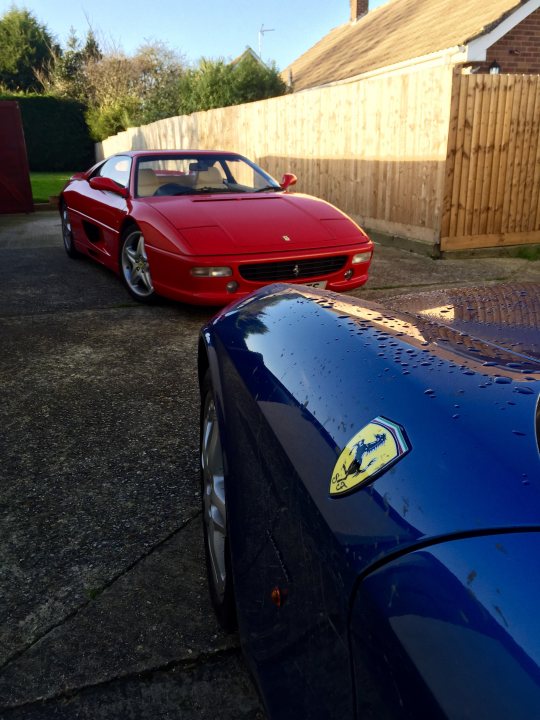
{"x": 67, "y": 233}
{"x": 214, "y": 508}
{"x": 134, "y": 264}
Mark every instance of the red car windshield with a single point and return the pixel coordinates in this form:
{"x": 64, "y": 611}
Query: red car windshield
{"x": 196, "y": 174}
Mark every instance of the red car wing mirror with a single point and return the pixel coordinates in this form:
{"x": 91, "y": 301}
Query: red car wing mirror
{"x": 103, "y": 183}
{"x": 288, "y": 180}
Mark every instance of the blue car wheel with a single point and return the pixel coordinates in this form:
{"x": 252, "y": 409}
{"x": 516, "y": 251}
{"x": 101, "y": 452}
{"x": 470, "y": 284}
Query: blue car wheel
{"x": 214, "y": 510}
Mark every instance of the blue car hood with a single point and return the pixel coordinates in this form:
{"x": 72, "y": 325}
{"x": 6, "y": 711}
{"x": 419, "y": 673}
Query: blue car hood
{"x": 497, "y": 321}
{"x": 458, "y": 372}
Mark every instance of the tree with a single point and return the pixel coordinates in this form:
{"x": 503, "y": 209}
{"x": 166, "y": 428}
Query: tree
{"x": 159, "y": 71}
{"x": 66, "y": 76}
{"x": 91, "y": 49}
{"x": 123, "y": 91}
{"x": 111, "y": 93}
{"x": 26, "y": 50}
{"x": 255, "y": 81}
{"x": 107, "y": 120}
{"x": 127, "y": 91}
{"x": 206, "y": 87}
{"x": 216, "y": 83}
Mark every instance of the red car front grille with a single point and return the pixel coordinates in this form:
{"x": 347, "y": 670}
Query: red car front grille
{"x": 292, "y": 269}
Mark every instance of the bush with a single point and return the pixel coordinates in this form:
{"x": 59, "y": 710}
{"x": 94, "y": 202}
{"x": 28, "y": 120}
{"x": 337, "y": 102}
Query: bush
{"x": 56, "y": 133}
{"x": 116, "y": 117}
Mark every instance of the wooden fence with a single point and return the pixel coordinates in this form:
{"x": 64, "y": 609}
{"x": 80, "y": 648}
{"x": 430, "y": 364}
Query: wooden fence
{"x": 375, "y": 148}
{"x": 492, "y": 190}
{"x": 447, "y": 159}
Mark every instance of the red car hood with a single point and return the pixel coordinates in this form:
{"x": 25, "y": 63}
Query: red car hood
{"x": 230, "y": 224}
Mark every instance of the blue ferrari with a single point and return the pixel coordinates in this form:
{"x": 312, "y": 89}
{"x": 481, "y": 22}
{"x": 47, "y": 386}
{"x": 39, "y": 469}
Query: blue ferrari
{"x": 371, "y": 500}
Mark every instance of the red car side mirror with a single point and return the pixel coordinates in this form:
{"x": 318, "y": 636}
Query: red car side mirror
{"x": 103, "y": 183}
{"x": 288, "y": 180}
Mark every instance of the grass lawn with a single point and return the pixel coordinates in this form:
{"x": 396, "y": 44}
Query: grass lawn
{"x": 531, "y": 252}
{"x": 46, "y": 184}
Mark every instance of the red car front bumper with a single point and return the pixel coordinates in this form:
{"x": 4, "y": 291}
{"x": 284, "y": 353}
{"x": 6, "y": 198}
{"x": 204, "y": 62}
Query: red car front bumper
{"x": 172, "y": 278}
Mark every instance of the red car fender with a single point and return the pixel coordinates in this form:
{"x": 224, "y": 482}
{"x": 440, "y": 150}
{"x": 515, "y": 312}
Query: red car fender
{"x": 158, "y": 232}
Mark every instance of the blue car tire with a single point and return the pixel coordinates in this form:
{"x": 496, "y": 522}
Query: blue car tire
{"x": 215, "y": 528}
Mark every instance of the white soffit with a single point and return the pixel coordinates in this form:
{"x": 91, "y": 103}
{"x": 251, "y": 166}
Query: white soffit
{"x": 476, "y": 49}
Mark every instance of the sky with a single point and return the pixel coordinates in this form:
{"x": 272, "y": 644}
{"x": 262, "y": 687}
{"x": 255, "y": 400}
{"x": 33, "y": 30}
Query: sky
{"x": 196, "y": 28}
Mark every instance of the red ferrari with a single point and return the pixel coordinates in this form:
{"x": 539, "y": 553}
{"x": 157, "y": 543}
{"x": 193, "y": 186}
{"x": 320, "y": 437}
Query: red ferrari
{"x": 207, "y": 227}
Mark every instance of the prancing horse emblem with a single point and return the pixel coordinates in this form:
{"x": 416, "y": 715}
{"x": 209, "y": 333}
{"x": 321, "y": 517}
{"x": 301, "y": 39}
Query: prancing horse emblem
{"x": 296, "y": 271}
{"x": 286, "y": 238}
{"x": 370, "y": 452}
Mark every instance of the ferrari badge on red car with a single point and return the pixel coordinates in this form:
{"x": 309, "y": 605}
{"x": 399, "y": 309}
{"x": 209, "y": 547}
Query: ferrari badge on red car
{"x": 375, "y": 448}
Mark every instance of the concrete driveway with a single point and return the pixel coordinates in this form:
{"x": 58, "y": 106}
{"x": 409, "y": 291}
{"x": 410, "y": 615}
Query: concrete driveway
{"x": 103, "y": 594}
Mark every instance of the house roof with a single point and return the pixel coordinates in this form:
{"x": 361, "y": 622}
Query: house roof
{"x": 249, "y": 53}
{"x": 399, "y": 31}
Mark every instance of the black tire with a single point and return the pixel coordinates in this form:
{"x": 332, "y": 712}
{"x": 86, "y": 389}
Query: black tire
{"x": 134, "y": 268}
{"x": 67, "y": 233}
{"x": 215, "y": 520}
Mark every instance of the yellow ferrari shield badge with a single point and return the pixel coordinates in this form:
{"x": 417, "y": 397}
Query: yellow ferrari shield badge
{"x": 375, "y": 448}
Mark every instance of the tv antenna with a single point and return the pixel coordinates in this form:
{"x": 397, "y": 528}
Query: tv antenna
{"x": 261, "y": 36}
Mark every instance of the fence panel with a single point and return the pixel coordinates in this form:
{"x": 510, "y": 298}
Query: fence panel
{"x": 492, "y": 188}
{"x": 375, "y": 147}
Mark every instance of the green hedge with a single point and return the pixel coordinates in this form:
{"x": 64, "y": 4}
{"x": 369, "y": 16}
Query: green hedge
{"x": 56, "y": 133}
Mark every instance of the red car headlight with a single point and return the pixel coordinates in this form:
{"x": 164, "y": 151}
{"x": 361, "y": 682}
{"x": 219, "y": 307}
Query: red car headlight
{"x": 215, "y": 272}
{"x": 361, "y": 257}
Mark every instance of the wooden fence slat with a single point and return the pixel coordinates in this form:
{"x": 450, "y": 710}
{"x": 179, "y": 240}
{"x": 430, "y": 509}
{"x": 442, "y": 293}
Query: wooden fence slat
{"x": 522, "y": 130}
{"x": 527, "y": 164}
{"x": 500, "y": 89}
{"x": 488, "y": 170}
{"x": 504, "y": 153}
{"x": 454, "y": 157}
{"x": 534, "y": 213}
{"x": 466, "y": 156}
{"x": 513, "y": 156}
{"x": 480, "y": 151}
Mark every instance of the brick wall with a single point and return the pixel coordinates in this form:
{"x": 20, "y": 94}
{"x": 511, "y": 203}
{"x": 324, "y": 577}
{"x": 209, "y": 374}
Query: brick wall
{"x": 519, "y": 50}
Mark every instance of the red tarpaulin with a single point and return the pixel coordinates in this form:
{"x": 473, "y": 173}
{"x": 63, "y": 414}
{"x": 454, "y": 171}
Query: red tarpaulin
{"x": 15, "y": 190}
